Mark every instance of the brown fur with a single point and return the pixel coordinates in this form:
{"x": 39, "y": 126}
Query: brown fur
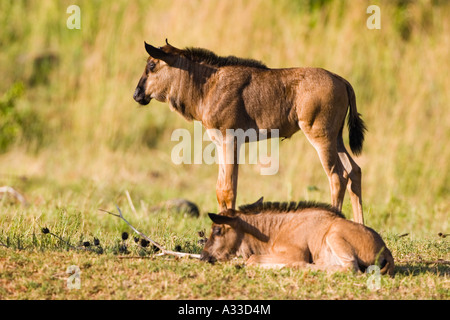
{"x": 234, "y": 93}
{"x": 304, "y": 234}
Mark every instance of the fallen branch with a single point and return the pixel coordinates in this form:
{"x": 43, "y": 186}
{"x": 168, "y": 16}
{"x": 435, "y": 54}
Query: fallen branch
{"x": 156, "y": 244}
{"x": 14, "y": 193}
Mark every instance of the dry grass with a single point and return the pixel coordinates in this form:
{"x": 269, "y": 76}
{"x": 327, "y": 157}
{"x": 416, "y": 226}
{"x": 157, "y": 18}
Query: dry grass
{"x": 398, "y": 73}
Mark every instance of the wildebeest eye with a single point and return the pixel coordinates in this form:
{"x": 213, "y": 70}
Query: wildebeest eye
{"x": 217, "y": 231}
{"x": 150, "y": 67}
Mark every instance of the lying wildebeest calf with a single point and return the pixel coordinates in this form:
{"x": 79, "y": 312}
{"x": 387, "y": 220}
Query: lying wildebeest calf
{"x": 303, "y": 234}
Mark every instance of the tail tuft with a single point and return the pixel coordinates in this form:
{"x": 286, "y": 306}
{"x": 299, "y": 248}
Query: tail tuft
{"x": 356, "y": 125}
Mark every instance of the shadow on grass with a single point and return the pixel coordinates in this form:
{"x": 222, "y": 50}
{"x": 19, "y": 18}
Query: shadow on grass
{"x": 440, "y": 268}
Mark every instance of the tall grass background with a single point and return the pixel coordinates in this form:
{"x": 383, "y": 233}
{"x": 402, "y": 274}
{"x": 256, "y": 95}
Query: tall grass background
{"x": 76, "y": 138}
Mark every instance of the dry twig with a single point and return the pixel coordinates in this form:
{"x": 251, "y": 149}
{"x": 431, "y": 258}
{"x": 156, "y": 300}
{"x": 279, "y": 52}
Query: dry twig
{"x": 130, "y": 202}
{"x": 156, "y": 244}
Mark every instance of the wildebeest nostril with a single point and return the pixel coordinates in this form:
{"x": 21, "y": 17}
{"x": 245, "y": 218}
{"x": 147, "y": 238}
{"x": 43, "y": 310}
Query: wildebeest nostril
{"x": 203, "y": 256}
{"x": 206, "y": 257}
{"x": 136, "y": 93}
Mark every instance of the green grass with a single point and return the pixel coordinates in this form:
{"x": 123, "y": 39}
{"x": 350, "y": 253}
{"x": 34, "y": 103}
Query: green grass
{"x": 34, "y": 265}
{"x": 72, "y": 141}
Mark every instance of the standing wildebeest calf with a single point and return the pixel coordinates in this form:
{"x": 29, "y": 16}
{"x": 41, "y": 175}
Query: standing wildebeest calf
{"x": 233, "y": 93}
{"x": 304, "y": 234}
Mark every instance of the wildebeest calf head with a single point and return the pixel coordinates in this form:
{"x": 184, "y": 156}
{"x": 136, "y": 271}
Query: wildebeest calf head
{"x": 225, "y": 239}
{"x": 157, "y": 78}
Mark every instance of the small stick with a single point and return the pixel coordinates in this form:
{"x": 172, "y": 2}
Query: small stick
{"x": 130, "y": 202}
{"x": 156, "y": 244}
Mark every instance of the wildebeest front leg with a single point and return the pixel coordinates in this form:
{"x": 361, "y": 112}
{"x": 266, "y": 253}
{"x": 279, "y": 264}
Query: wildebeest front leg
{"x": 226, "y": 187}
{"x": 272, "y": 260}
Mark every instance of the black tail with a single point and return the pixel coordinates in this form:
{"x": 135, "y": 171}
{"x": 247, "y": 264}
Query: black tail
{"x": 356, "y": 126}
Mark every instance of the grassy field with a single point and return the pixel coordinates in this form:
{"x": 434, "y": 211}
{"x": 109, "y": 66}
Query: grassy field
{"x": 35, "y": 265}
{"x": 72, "y": 141}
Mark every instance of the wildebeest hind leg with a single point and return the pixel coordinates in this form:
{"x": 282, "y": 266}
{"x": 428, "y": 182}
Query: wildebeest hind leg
{"x": 340, "y": 254}
{"x": 326, "y": 148}
{"x": 354, "y": 181}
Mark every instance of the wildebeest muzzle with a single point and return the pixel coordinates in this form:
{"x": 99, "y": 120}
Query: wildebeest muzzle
{"x": 140, "y": 97}
{"x": 205, "y": 256}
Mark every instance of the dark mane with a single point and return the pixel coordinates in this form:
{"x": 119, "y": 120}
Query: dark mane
{"x": 205, "y": 56}
{"x": 287, "y": 207}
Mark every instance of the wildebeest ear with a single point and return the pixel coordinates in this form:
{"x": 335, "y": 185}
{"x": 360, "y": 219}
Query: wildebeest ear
{"x": 158, "y": 53}
{"x": 219, "y": 219}
{"x": 259, "y": 201}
